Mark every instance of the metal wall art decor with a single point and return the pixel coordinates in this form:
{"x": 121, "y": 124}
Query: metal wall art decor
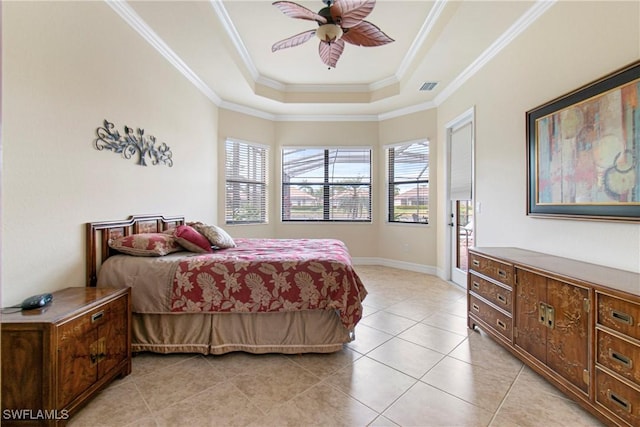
{"x": 131, "y": 143}
{"x": 583, "y": 151}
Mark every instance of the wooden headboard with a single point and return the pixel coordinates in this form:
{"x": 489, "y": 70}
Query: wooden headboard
{"x": 99, "y": 234}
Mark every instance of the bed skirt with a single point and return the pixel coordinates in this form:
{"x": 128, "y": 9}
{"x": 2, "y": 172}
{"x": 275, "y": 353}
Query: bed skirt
{"x": 310, "y": 331}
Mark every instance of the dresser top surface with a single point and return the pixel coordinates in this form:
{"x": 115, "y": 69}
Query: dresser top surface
{"x": 66, "y": 303}
{"x": 620, "y": 280}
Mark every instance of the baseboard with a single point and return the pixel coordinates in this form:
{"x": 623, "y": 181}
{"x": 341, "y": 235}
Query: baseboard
{"x": 403, "y": 265}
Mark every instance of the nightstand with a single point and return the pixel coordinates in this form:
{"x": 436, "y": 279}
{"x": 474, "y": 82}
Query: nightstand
{"x": 56, "y": 358}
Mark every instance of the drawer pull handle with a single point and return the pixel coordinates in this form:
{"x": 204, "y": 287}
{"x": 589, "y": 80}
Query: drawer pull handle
{"x": 93, "y": 358}
{"x": 102, "y": 349}
{"x": 618, "y": 401}
{"x": 476, "y": 263}
{"x": 501, "y": 324}
{"x": 542, "y": 313}
{"x": 502, "y": 274}
{"x": 475, "y": 285}
{"x": 502, "y": 298}
{"x": 546, "y": 315}
{"x": 622, "y": 317}
{"x": 550, "y": 316}
{"x": 475, "y": 307}
{"x": 620, "y": 358}
{"x": 97, "y": 316}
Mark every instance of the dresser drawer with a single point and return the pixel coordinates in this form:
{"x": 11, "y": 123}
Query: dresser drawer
{"x": 499, "y": 271}
{"x": 622, "y": 357}
{"x": 81, "y": 325}
{"x": 619, "y": 315}
{"x": 619, "y": 398}
{"x": 498, "y": 321}
{"x": 499, "y": 295}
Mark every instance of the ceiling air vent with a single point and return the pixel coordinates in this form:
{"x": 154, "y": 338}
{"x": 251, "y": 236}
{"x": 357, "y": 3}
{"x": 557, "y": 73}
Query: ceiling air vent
{"x": 428, "y": 85}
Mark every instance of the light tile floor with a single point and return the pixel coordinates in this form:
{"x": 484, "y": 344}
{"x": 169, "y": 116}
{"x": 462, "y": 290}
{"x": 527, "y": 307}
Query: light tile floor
{"x": 413, "y": 363}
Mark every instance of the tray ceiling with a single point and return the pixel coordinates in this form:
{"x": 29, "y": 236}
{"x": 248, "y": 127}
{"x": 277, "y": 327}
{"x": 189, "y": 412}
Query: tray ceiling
{"x": 224, "y": 48}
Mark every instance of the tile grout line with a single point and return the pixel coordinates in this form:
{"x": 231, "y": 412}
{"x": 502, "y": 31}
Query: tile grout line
{"x": 506, "y": 395}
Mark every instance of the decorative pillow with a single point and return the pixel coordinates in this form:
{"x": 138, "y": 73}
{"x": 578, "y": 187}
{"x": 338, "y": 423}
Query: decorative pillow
{"x": 145, "y": 244}
{"x": 190, "y": 239}
{"x": 216, "y": 235}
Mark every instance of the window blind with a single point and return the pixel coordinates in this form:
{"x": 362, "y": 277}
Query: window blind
{"x": 326, "y": 184}
{"x": 461, "y": 165}
{"x": 408, "y": 182}
{"x": 245, "y": 182}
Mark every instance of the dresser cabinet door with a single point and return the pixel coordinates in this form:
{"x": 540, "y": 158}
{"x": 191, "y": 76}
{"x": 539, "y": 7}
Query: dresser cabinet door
{"x": 568, "y": 337}
{"x": 76, "y": 359}
{"x": 552, "y": 324}
{"x": 112, "y": 337}
{"x": 531, "y": 328}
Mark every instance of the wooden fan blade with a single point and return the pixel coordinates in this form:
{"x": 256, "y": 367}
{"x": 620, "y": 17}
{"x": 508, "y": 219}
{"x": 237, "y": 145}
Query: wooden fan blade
{"x": 293, "y": 41}
{"x": 366, "y": 34}
{"x": 330, "y": 52}
{"x": 294, "y": 10}
{"x": 349, "y": 13}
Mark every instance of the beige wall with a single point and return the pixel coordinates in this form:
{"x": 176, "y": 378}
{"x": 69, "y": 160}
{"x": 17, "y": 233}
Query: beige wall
{"x": 67, "y": 66}
{"x": 572, "y": 44}
{"x": 361, "y": 239}
{"x": 409, "y": 243}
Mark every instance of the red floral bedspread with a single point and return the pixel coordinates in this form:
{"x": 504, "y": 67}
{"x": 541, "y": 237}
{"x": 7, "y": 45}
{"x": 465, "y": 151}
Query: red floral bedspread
{"x": 262, "y": 275}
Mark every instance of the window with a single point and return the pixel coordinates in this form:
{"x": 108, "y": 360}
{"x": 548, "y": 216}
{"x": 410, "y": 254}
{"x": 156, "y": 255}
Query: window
{"x": 245, "y": 183}
{"x": 326, "y": 184}
{"x": 408, "y": 188}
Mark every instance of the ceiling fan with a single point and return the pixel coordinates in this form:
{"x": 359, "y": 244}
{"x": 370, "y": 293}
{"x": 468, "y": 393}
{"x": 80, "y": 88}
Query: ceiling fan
{"x": 339, "y": 22}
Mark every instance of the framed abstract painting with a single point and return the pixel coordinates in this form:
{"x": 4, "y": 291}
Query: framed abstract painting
{"x": 583, "y": 151}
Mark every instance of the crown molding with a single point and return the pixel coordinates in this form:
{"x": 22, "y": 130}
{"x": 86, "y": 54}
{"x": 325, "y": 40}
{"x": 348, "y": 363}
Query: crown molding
{"x": 130, "y": 16}
{"x": 297, "y": 117}
{"x": 407, "y": 110}
{"x": 247, "y": 110}
{"x": 233, "y": 34}
{"x": 426, "y": 28}
{"x": 327, "y": 118}
{"x": 122, "y": 8}
{"x": 530, "y": 16}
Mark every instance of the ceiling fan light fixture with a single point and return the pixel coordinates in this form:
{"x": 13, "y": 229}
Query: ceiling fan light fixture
{"x": 340, "y": 22}
{"x": 329, "y": 32}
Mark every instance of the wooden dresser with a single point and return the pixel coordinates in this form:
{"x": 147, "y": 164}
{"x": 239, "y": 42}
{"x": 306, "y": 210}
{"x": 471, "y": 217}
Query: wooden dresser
{"x": 575, "y": 323}
{"x": 56, "y": 358}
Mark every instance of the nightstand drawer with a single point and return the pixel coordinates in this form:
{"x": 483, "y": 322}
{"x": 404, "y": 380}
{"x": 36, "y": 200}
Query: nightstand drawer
{"x": 620, "y": 315}
{"x": 496, "y": 270}
{"x": 621, "y": 356}
{"x": 498, "y": 321}
{"x": 91, "y": 320}
{"x": 619, "y": 398}
{"x": 499, "y": 295}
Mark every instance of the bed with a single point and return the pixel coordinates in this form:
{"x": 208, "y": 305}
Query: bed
{"x": 261, "y": 296}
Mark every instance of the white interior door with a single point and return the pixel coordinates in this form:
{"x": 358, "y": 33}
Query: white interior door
{"x": 460, "y": 185}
